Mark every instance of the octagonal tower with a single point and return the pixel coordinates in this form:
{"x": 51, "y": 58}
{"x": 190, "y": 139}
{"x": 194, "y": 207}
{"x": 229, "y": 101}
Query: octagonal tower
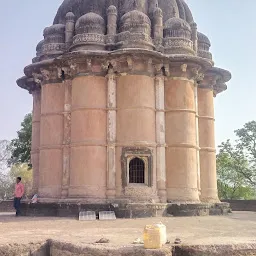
{"x": 124, "y": 105}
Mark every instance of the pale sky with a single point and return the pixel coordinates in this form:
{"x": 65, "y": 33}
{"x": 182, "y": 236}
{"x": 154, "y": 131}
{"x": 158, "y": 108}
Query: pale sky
{"x": 230, "y": 25}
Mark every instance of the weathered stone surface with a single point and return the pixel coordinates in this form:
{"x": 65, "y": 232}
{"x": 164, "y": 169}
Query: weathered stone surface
{"x": 56, "y": 248}
{"x": 216, "y": 250}
{"x": 6, "y": 206}
{"x": 32, "y": 249}
{"x": 125, "y": 210}
{"x": 242, "y": 205}
{"x": 65, "y": 249}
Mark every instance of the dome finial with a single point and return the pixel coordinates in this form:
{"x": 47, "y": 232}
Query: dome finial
{"x": 135, "y": 4}
{"x": 174, "y": 12}
{"x": 92, "y": 7}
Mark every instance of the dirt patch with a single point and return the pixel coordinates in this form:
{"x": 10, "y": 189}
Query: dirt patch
{"x": 214, "y": 236}
{"x": 238, "y": 228}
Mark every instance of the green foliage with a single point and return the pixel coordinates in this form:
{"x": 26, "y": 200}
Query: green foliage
{"x": 17, "y": 155}
{"x": 5, "y": 187}
{"x": 235, "y": 192}
{"x": 22, "y": 170}
{"x": 4, "y": 154}
{"x": 246, "y": 146}
{"x": 21, "y": 146}
{"x": 7, "y": 181}
{"x": 236, "y": 165}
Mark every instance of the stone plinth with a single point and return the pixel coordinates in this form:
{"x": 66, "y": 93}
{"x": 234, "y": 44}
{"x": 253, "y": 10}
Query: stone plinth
{"x": 124, "y": 210}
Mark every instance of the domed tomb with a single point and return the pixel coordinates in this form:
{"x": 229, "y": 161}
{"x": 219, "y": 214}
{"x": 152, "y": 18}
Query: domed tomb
{"x": 123, "y": 94}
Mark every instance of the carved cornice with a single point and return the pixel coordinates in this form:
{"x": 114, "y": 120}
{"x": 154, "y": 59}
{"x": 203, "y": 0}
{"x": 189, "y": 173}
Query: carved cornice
{"x": 215, "y": 79}
{"x": 29, "y": 83}
{"x": 209, "y": 81}
{"x": 123, "y": 62}
{"x": 219, "y": 88}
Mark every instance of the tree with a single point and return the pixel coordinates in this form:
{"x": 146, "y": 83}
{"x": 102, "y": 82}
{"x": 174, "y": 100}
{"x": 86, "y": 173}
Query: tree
{"x": 231, "y": 182}
{"x": 16, "y": 156}
{"x": 5, "y": 183}
{"x": 246, "y": 147}
{"x": 4, "y": 154}
{"x": 236, "y": 165}
{"x": 21, "y": 146}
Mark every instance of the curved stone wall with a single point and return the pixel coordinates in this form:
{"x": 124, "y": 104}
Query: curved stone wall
{"x": 51, "y": 140}
{"x": 88, "y": 137}
{"x": 181, "y": 152}
{"x": 135, "y": 129}
{"x": 209, "y": 191}
{"x": 122, "y": 80}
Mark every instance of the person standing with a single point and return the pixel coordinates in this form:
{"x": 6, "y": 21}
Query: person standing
{"x": 18, "y": 194}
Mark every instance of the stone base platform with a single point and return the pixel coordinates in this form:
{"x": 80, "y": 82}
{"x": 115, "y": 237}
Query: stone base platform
{"x": 128, "y": 211}
{"x": 56, "y": 248}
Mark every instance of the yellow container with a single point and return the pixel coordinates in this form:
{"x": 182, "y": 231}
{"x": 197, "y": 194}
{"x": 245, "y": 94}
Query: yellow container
{"x": 154, "y": 236}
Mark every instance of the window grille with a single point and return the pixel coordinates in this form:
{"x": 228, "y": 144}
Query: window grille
{"x": 137, "y": 171}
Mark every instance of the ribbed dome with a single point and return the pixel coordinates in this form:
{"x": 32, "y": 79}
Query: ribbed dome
{"x": 90, "y": 18}
{"x": 176, "y": 23}
{"x": 107, "y": 25}
{"x": 135, "y": 19}
{"x": 203, "y": 39}
{"x": 57, "y": 28}
{"x": 204, "y": 45}
{"x": 90, "y": 22}
{"x": 136, "y": 15}
{"x": 39, "y": 46}
{"x": 80, "y": 7}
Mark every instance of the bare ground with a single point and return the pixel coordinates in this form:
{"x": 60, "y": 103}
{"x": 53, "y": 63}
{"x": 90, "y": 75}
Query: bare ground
{"x": 238, "y": 227}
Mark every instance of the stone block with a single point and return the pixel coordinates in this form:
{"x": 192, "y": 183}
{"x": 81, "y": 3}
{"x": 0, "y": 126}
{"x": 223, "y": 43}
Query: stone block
{"x": 180, "y": 210}
{"x": 107, "y": 215}
{"x": 87, "y": 216}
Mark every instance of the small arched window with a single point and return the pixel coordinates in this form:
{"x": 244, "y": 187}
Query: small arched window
{"x": 137, "y": 171}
